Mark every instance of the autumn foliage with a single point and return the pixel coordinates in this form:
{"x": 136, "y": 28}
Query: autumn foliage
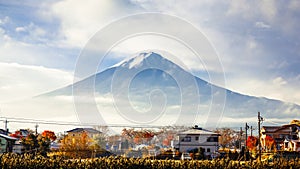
{"x": 17, "y": 134}
{"x": 138, "y": 137}
{"x": 33, "y": 142}
{"x": 270, "y": 143}
{"x": 35, "y": 161}
{"x": 80, "y": 146}
{"x": 49, "y": 135}
{"x": 252, "y": 142}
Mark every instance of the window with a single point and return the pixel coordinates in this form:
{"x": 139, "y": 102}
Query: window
{"x": 208, "y": 150}
{"x": 212, "y": 139}
{"x": 186, "y": 139}
{"x": 197, "y": 138}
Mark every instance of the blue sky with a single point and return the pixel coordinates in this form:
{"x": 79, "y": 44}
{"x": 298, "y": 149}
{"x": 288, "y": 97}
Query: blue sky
{"x": 257, "y": 41}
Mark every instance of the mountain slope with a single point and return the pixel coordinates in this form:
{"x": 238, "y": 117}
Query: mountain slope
{"x": 149, "y": 83}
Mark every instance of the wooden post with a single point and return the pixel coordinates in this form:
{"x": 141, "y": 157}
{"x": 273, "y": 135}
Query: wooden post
{"x": 260, "y": 119}
{"x": 36, "y": 127}
{"x": 246, "y": 149}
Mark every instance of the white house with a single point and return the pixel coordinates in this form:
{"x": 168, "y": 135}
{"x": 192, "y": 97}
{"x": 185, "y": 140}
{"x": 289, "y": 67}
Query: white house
{"x": 197, "y": 137}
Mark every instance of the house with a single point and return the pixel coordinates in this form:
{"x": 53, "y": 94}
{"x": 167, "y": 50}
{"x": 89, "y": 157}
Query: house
{"x": 76, "y": 134}
{"x": 5, "y": 132}
{"x": 286, "y": 137}
{"x": 24, "y": 132}
{"x": 18, "y": 147}
{"x": 6, "y": 143}
{"x": 195, "y": 138}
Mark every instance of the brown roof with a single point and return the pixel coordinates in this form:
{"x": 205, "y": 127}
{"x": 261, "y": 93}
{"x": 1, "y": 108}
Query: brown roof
{"x": 271, "y": 129}
{"x": 89, "y": 130}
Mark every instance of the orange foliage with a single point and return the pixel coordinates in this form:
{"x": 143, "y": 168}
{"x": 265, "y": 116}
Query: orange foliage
{"x": 252, "y": 142}
{"x": 17, "y": 134}
{"x": 270, "y": 142}
{"x": 137, "y": 136}
{"x": 49, "y": 134}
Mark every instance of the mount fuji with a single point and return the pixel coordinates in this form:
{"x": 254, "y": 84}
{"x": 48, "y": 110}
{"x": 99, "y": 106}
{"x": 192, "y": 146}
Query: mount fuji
{"x": 151, "y": 89}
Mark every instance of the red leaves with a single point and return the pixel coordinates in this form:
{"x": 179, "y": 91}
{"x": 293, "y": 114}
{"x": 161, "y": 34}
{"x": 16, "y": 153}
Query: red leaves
{"x": 49, "y": 134}
{"x": 17, "y": 134}
{"x": 270, "y": 142}
{"x": 252, "y": 142}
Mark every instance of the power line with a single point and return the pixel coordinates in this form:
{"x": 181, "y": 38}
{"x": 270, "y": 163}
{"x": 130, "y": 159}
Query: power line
{"x": 38, "y": 121}
{"x": 272, "y": 122}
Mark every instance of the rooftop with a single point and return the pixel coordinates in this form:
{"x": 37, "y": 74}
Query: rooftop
{"x": 89, "y": 130}
{"x": 198, "y": 131}
{"x": 7, "y": 137}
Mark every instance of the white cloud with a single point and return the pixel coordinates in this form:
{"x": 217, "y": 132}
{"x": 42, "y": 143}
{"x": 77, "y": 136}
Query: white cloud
{"x": 252, "y": 9}
{"x": 294, "y": 5}
{"x": 172, "y": 49}
{"x": 20, "y": 29}
{"x": 278, "y": 64}
{"x": 276, "y": 88}
{"x": 251, "y": 44}
{"x": 29, "y": 52}
{"x": 5, "y": 20}
{"x": 268, "y": 9}
{"x": 47, "y": 109}
{"x": 21, "y": 81}
{"x": 80, "y": 20}
{"x": 239, "y": 8}
{"x": 279, "y": 81}
{"x": 34, "y": 33}
{"x": 261, "y": 25}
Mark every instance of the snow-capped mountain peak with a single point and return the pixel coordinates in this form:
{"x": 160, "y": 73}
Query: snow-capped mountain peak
{"x": 139, "y": 60}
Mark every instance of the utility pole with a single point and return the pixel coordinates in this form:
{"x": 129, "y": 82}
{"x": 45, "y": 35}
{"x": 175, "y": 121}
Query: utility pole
{"x": 36, "y": 127}
{"x": 246, "y": 129}
{"x": 179, "y": 143}
{"x": 246, "y": 150}
{"x": 260, "y": 120}
{"x": 251, "y": 130}
{"x": 241, "y": 135}
{"x": 5, "y": 126}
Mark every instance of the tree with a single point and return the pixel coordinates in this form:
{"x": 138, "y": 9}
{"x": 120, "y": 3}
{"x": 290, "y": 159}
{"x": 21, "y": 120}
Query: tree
{"x": 270, "y": 143}
{"x": 44, "y": 141}
{"x": 138, "y": 136}
{"x": 75, "y": 147}
{"x": 99, "y": 140}
{"x": 38, "y": 143}
{"x": 228, "y": 137}
{"x": 30, "y": 143}
{"x": 252, "y": 143}
{"x": 49, "y": 135}
{"x": 297, "y": 122}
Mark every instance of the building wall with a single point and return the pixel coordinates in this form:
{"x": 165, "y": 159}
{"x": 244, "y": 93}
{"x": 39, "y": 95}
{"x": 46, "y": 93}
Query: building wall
{"x": 3, "y": 145}
{"x": 207, "y": 142}
{"x": 6, "y": 145}
{"x": 286, "y": 137}
{"x": 76, "y": 136}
